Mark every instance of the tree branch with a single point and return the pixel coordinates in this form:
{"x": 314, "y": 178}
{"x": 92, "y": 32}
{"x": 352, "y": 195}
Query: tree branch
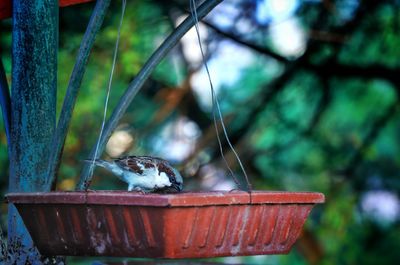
{"x": 370, "y": 138}
{"x": 255, "y": 47}
{"x": 330, "y": 69}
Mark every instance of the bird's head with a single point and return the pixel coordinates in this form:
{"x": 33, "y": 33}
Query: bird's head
{"x": 176, "y": 182}
{"x": 174, "y": 177}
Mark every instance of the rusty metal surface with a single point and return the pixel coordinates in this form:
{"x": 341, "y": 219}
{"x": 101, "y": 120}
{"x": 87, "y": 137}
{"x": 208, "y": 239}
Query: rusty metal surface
{"x": 217, "y": 227}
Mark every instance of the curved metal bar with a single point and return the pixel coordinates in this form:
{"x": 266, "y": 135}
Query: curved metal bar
{"x": 75, "y": 81}
{"x": 138, "y": 82}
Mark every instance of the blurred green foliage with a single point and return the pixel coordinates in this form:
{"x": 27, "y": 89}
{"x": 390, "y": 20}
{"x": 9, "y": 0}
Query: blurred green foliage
{"x": 325, "y": 120}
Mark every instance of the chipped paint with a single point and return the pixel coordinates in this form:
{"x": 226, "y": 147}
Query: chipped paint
{"x": 33, "y": 101}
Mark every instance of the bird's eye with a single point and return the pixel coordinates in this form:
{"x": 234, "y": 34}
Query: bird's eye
{"x": 173, "y": 179}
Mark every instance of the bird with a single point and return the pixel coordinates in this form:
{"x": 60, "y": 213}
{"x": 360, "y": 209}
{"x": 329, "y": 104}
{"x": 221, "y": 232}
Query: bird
{"x": 144, "y": 173}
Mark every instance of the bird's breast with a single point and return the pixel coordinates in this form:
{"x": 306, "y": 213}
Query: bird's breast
{"x": 151, "y": 178}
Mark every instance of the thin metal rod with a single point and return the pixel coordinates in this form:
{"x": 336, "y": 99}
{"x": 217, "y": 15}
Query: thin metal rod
{"x": 216, "y": 108}
{"x": 110, "y": 79}
{"x": 138, "y": 82}
{"x": 75, "y": 81}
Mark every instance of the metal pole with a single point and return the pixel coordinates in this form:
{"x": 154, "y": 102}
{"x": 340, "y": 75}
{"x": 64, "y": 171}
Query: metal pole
{"x": 33, "y": 105}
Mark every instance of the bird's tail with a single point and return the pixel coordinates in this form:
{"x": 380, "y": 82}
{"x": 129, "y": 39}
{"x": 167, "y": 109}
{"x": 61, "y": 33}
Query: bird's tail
{"x": 111, "y": 166}
{"x": 99, "y": 162}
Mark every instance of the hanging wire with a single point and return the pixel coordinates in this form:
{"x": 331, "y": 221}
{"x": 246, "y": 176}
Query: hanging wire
{"x": 109, "y": 86}
{"x": 216, "y": 107}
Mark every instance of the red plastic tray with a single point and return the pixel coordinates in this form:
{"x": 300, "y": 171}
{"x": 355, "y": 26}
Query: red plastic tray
{"x": 185, "y": 225}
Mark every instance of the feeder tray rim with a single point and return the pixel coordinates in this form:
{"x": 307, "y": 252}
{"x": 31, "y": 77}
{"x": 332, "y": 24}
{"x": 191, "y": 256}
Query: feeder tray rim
{"x": 163, "y": 200}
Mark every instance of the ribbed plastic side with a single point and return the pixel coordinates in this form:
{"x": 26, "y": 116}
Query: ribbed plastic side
{"x": 95, "y": 230}
{"x": 171, "y": 232}
{"x": 235, "y": 230}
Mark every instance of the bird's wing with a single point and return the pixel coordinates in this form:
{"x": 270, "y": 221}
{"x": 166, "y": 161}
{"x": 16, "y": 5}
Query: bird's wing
{"x": 130, "y": 164}
{"x": 152, "y": 158}
{"x": 135, "y": 164}
{"x": 162, "y": 166}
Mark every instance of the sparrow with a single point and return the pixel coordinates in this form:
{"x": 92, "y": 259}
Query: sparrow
{"x": 144, "y": 173}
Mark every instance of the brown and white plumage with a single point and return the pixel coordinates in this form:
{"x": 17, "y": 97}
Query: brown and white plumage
{"x": 145, "y": 173}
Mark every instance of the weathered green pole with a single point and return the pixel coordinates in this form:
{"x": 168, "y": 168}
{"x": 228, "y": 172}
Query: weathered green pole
{"x": 33, "y": 103}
